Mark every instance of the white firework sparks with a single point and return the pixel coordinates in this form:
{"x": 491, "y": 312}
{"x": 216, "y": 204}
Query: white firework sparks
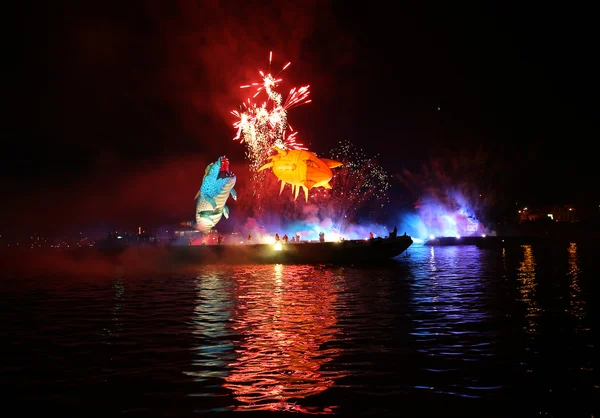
{"x": 261, "y": 127}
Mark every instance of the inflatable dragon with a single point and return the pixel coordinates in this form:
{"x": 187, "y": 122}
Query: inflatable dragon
{"x": 216, "y": 187}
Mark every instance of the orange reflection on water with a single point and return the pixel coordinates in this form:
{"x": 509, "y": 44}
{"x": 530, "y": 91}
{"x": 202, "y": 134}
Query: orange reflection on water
{"x": 576, "y": 301}
{"x": 285, "y": 324}
{"x": 526, "y": 274}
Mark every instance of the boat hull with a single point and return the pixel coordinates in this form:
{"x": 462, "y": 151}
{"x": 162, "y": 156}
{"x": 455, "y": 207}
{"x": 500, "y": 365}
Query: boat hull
{"x": 143, "y": 259}
{"x": 362, "y": 251}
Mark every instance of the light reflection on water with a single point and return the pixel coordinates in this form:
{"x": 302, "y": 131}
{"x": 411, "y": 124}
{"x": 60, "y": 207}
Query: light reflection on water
{"x": 528, "y": 284}
{"x": 446, "y": 324}
{"x": 284, "y": 325}
{"x": 114, "y": 329}
{"x": 211, "y": 314}
{"x": 449, "y": 298}
{"x": 577, "y": 303}
{"x": 280, "y": 326}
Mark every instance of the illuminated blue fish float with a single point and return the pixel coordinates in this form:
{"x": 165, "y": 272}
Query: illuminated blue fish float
{"x": 217, "y": 186}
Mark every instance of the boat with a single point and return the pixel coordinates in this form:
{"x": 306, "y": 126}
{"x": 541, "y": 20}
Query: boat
{"x": 338, "y": 252}
{"x": 309, "y": 252}
{"x": 152, "y": 258}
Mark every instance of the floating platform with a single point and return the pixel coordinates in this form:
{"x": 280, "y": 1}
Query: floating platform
{"x": 91, "y": 261}
{"x": 500, "y": 241}
{"x": 339, "y": 252}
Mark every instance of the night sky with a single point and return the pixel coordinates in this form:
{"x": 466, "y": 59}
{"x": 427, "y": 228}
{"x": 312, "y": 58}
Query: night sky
{"x": 120, "y": 105}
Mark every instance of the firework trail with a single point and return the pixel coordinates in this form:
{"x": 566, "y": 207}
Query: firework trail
{"x": 264, "y": 126}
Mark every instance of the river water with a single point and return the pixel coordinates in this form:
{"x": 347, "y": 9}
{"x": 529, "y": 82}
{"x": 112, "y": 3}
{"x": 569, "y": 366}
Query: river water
{"x": 442, "y": 331}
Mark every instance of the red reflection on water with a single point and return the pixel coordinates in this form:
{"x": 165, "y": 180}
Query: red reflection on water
{"x": 284, "y": 325}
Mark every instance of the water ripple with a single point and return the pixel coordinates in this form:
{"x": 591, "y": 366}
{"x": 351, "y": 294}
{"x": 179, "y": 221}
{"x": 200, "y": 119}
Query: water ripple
{"x": 446, "y": 329}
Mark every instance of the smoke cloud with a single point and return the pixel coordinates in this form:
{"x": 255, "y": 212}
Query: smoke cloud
{"x": 454, "y": 195}
{"x": 140, "y": 101}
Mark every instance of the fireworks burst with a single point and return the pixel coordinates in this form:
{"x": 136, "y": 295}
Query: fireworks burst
{"x": 360, "y": 184}
{"x": 263, "y": 126}
{"x": 373, "y": 178}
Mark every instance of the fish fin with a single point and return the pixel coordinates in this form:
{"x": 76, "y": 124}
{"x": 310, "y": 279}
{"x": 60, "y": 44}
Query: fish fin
{"x": 332, "y": 163}
{"x": 305, "y": 192}
{"x": 226, "y": 212}
{"x": 197, "y": 194}
{"x": 296, "y": 192}
{"x": 323, "y": 183}
{"x": 211, "y": 201}
{"x": 233, "y": 194}
{"x": 267, "y": 165}
{"x": 206, "y": 214}
{"x": 282, "y": 186}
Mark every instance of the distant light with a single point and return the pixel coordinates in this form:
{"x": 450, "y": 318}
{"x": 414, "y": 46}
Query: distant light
{"x": 483, "y": 235}
{"x": 458, "y": 237}
{"x": 431, "y": 236}
{"x": 277, "y": 246}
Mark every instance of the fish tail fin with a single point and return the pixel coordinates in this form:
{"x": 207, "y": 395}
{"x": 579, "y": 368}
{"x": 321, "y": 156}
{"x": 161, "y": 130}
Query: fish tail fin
{"x": 332, "y": 163}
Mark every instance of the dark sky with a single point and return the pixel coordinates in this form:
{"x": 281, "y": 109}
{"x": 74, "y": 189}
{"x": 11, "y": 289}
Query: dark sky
{"x": 120, "y": 105}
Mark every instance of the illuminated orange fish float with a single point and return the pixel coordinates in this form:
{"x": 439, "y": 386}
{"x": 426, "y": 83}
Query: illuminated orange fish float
{"x": 301, "y": 169}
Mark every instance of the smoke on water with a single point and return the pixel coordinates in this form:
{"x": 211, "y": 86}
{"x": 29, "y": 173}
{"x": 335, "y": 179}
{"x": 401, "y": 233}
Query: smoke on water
{"x": 453, "y": 196}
